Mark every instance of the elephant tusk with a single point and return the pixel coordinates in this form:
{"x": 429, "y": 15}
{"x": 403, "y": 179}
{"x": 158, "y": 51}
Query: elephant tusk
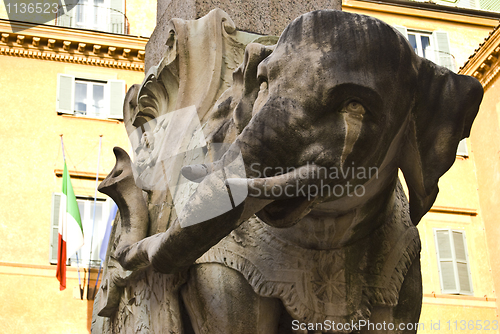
{"x": 196, "y": 173}
{"x": 296, "y": 183}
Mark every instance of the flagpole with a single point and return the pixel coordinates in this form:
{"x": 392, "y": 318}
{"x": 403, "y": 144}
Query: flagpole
{"x": 97, "y": 280}
{"x": 77, "y": 261}
{"x": 93, "y": 218}
{"x": 62, "y": 145}
{"x": 79, "y": 281}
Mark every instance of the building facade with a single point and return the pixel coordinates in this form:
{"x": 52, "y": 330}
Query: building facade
{"x": 69, "y": 78}
{"x": 484, "y": 141}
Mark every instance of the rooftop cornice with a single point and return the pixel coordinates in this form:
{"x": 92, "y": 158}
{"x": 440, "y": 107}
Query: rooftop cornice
{"x": 72, "y": 45}
{"x": 484, "y": 64}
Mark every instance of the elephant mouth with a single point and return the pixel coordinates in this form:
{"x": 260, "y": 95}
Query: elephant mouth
{"x": 286, "y": 212}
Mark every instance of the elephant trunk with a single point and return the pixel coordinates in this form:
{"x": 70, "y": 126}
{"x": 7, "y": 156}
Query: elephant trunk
{"x": 121, "y": 187}
{"x": 216, "y": 208}
{"x": 296, "y": 183}
{"x": 179, "y": 247}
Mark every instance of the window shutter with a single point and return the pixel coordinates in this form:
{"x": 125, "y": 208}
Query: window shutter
{"x": 65, "y": 93}
{"x": 442, "y": 48}
{"x": 54, "y": 227}
{"x": 454, "y": 271}
{"x": 402, "y": 30}
{"x": 493, "y": 5}
{"x": 117, "y": 16}
{"x": 116, "y": 98}
{"x": 462, "y": 262}
{"x": 445, "y": 261}
{"x": 462, "y": 148}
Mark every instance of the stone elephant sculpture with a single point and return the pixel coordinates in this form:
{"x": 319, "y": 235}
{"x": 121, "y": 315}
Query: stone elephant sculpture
{"x": 325, "y": 235}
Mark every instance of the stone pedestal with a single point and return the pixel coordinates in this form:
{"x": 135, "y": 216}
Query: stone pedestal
{"x": 264, "y": 17}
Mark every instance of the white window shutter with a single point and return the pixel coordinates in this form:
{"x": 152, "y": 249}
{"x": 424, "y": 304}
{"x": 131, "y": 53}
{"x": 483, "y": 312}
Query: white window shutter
{"x": 116, "y": 90}
{"x": 493, "y": 5}
{"x": 65, "y": 94}
{"x": 403, "y": 30}
{"x": 463, "y": 270}
{"x": 54, "y": 227}
{"x": 454, "y": 270}
{"x": 445, "y": 261}
{"x": 117, "y": 17}
{"x": 442, "y": 49}
{"x": 462, "y": 148}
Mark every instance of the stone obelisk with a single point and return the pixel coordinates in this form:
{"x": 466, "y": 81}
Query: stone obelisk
{"x": 263, "y": 17}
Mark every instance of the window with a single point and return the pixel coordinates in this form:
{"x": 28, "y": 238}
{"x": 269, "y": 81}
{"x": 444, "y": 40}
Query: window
{"x": 90, "y": 98}
{"x": 91, "y": 14}
{"x": 86, "y": 207}
{"x": 453, "y": 263}
{"x": 434, "y": 46}
{"x": 101, "y": 15}
{"x": 421, "y": 43}
{"x": 462, "y": 148}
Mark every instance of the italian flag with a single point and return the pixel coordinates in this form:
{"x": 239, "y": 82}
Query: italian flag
{"x": 70, "y": 228}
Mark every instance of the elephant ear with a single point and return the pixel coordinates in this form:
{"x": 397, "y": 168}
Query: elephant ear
{"x": 246, "y": 84}
{"x": 444, "y": 109}
{"x": 233, "y": 109}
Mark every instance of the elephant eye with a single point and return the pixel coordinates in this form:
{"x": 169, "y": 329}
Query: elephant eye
{"x": 354, "y": 107}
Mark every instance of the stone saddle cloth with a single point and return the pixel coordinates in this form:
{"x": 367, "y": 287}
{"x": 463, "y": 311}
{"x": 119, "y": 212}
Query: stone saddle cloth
{"x": 340, "y": 285}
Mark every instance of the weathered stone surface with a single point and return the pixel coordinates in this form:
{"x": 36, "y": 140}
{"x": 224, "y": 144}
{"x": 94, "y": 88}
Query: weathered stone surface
{"x": 268, "y": 17}
{"x": 316, "y": 128}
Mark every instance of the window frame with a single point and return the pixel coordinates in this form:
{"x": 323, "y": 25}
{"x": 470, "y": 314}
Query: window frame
{"x": 453, "y": 259}
{"x": 418, "y": 40}
{"x": 112, "y": 19}
{"x": 87, "y": 11}
{"x": 99, "y": 230}
{"x": 90, "y": 97}
{"x": 114, "y": 95}
{"x": 440, "y": 43}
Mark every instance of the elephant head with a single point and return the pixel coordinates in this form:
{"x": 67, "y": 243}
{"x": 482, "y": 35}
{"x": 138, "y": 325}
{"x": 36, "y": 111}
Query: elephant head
{"x": 339, "y": 94}
{"x": 346, "y": 92}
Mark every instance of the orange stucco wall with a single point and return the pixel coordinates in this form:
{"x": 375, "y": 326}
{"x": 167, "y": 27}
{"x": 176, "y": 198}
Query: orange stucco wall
{"x": 31, "y": 150}
{"x": 485, "y": 141}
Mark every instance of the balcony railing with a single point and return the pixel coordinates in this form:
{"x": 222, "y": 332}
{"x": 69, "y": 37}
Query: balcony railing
{"x": 92, "y": 17}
